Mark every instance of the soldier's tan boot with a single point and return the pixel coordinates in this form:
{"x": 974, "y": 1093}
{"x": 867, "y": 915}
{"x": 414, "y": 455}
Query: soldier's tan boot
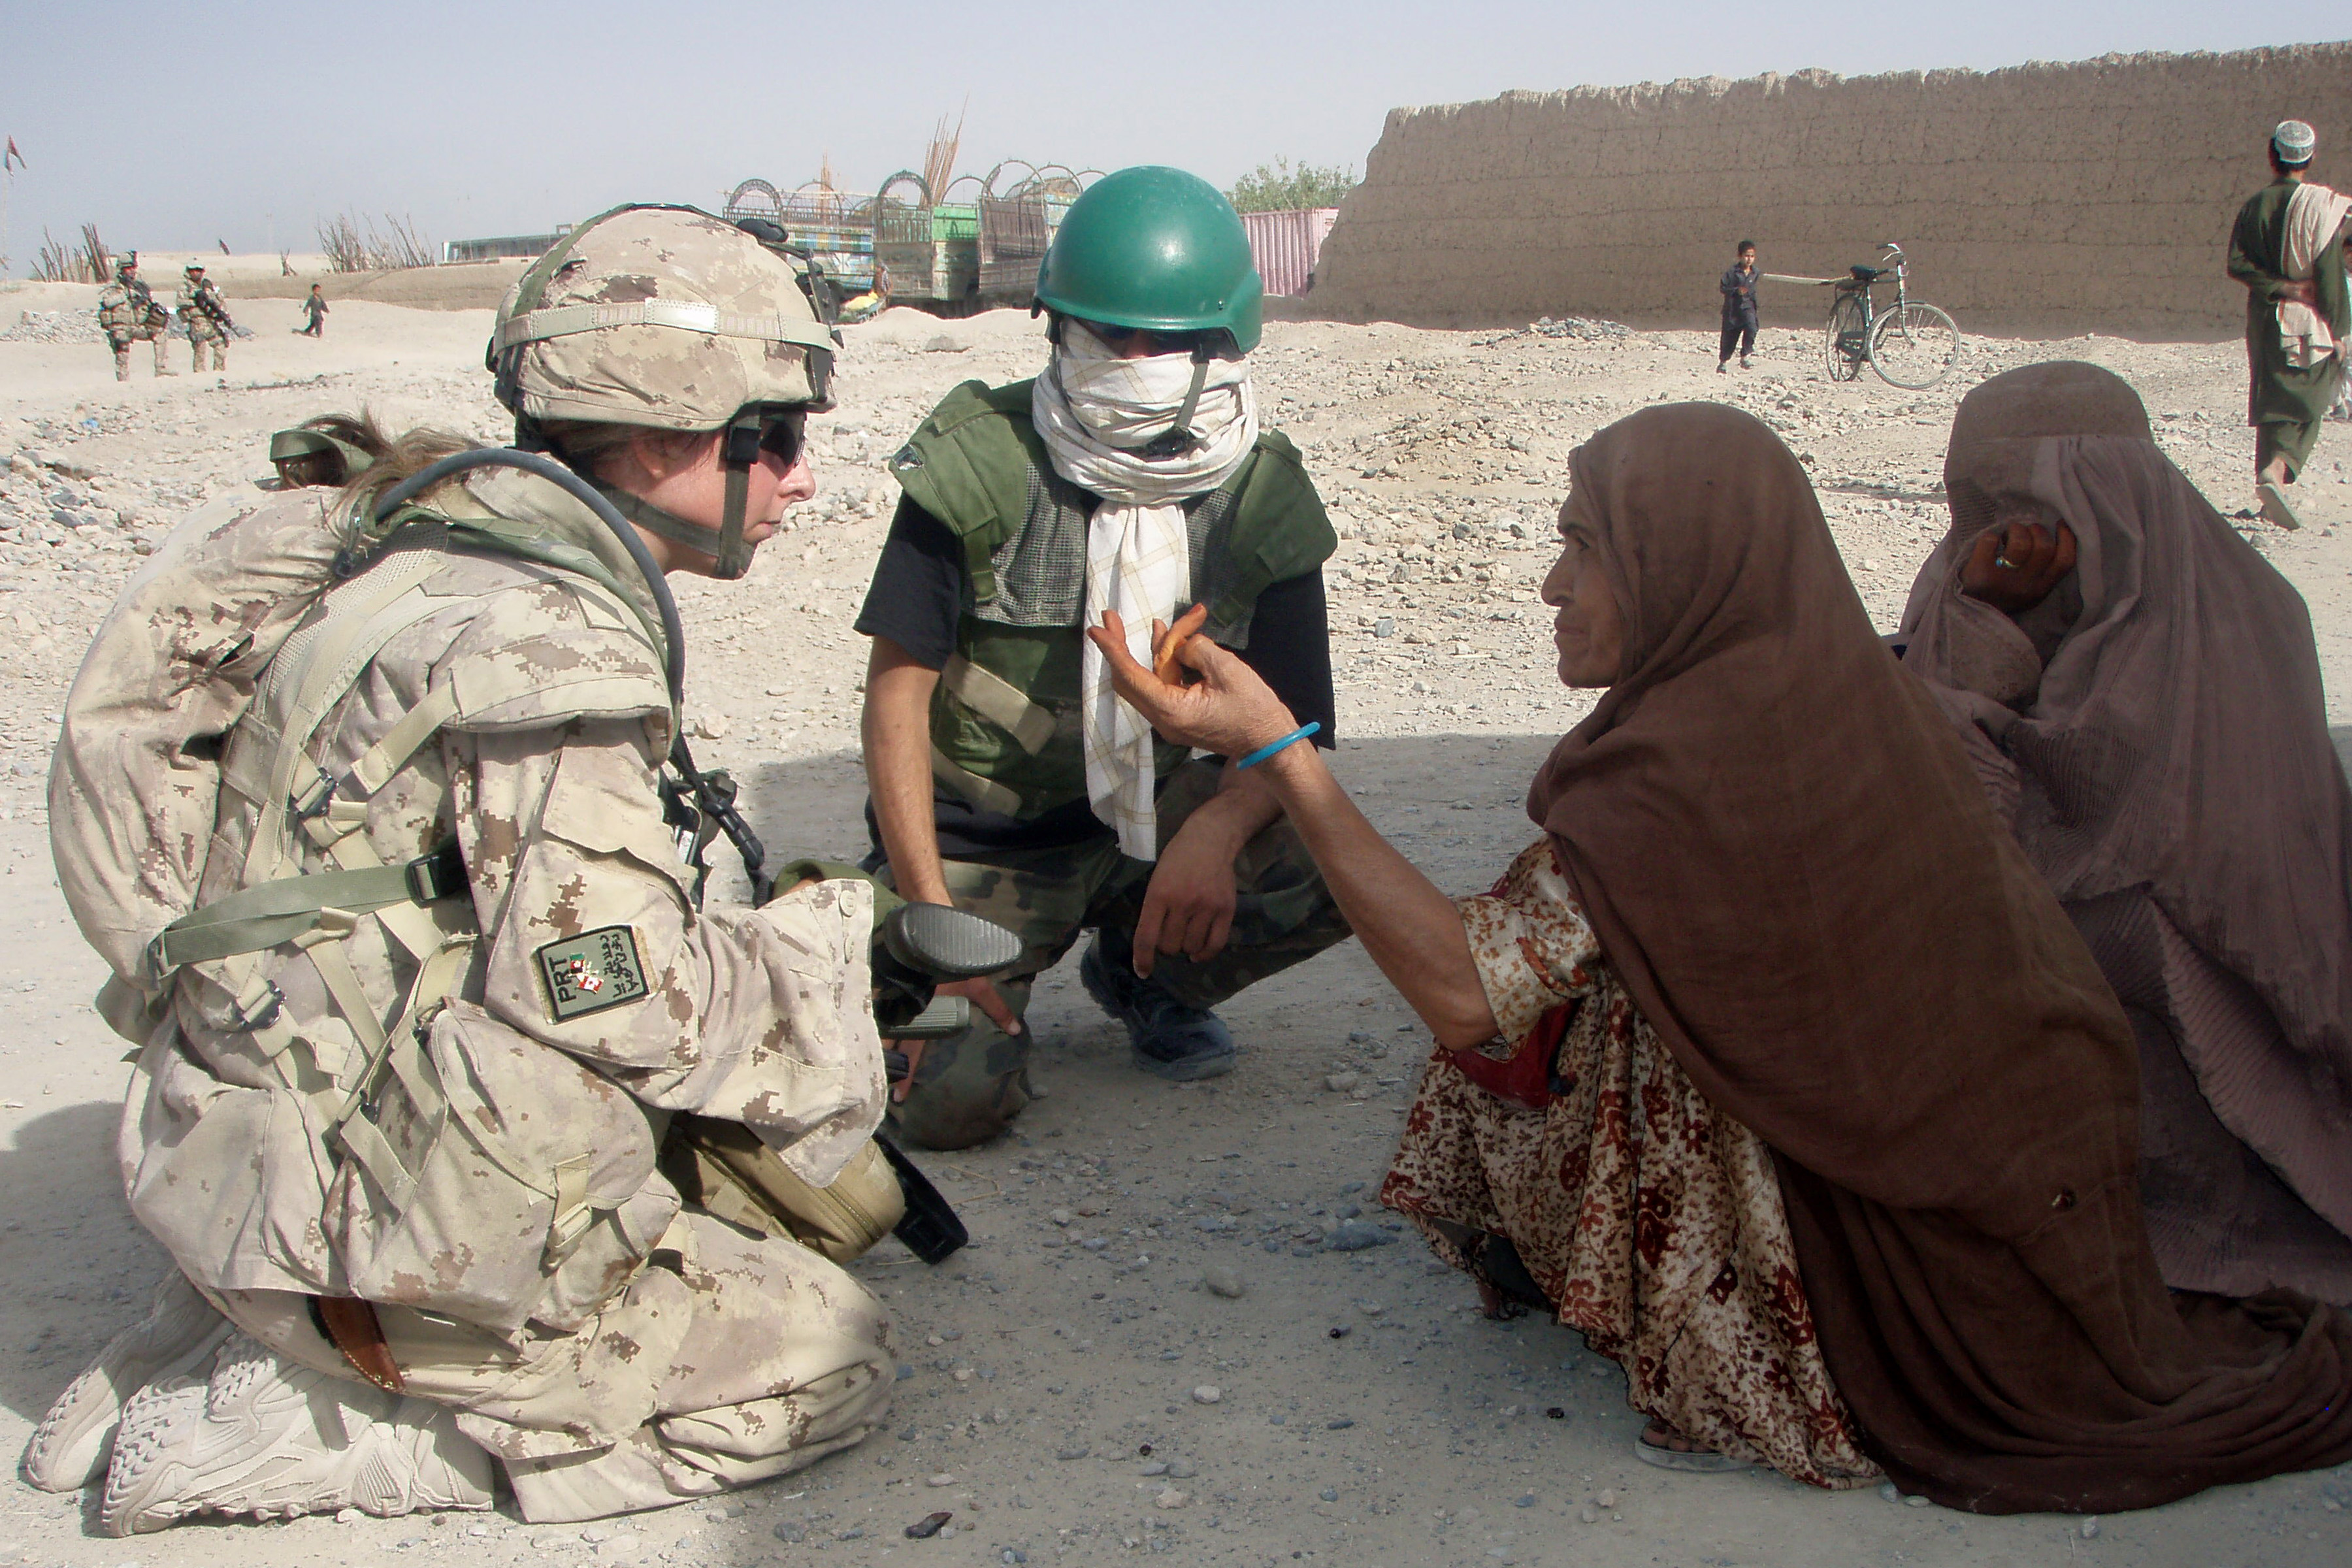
{"x": 181, "y": 1330}
{"x": 273, "y": 1439}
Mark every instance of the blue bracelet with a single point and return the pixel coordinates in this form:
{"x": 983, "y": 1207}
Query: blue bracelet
{"x": 1264, "y": 751}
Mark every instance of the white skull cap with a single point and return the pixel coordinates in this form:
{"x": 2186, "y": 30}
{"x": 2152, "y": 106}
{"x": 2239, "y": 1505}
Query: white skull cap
{"x": 2293, "y": 141}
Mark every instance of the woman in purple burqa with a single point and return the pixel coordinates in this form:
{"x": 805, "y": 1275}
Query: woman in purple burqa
{"x": 2142, "y": 697}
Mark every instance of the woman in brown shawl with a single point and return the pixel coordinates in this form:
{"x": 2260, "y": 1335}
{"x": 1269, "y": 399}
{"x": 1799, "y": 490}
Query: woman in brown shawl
{"x": 1806, "y": 926}
{"x": 2142, "y": 697}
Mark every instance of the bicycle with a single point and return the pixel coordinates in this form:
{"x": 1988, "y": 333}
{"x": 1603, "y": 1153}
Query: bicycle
{"x": 1910, "y": 344}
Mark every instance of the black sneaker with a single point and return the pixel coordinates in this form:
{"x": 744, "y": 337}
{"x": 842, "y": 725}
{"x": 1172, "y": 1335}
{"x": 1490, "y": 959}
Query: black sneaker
{"x": 1170, "y": 1041}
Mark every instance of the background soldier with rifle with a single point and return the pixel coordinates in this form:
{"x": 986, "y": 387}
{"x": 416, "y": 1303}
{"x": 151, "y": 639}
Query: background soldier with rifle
{"x": 206, "y": 319}
{"x": 127, "y": 313}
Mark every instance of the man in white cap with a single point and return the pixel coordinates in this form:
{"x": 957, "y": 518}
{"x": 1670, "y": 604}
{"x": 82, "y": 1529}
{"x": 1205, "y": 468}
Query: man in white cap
{"x": 2286, "y": 251}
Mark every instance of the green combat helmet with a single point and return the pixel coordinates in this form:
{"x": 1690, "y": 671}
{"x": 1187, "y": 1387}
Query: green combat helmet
{"x": 1160, "y": 250}
{"x": 668, "y": 318}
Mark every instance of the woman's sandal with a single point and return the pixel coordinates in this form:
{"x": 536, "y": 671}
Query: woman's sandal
{"x": 1696, "y": 1461}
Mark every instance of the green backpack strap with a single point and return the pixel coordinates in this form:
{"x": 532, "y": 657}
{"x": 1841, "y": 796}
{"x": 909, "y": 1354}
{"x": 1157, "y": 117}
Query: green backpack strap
{"x": 279, "y": 911}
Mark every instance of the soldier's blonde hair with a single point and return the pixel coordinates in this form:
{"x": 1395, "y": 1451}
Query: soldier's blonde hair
{"x": 396, "y": 458}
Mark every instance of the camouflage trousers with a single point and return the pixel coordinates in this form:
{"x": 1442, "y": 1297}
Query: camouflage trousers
{"x": 219, "y": 345}
{"x": 121, "y": 347}
{"x": 969, "y": 1086}
{"x": 728, "y": 1359}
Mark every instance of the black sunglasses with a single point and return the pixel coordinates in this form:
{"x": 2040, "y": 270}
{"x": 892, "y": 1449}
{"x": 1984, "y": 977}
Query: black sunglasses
{"x": 1170, "y": 342}
{"x": 783, "y": 433}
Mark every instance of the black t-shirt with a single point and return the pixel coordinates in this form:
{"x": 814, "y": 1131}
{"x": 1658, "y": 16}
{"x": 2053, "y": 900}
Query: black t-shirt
{"x": 916, "y": 598}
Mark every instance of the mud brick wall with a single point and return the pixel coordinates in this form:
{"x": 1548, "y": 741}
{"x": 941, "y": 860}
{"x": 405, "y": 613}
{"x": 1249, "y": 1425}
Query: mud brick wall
{"x": 2047, "y": 198}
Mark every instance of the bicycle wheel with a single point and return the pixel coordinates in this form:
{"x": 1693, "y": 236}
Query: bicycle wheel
{"x": 1845, "y": 344}
{"x": 1914, "y": 346}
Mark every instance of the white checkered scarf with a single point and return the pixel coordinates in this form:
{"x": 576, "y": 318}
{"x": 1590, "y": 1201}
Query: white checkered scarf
{"x": 1094, "y": 409}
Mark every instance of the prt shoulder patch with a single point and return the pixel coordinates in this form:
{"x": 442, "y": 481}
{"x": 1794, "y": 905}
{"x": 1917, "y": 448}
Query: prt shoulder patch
{"x": 591, "y": 971}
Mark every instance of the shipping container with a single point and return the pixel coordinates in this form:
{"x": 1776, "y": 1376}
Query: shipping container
{"x": 1285, "y": 245}
{"x": 512, "y": 246}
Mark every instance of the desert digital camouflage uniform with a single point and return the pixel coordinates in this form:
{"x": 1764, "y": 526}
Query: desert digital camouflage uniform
{"x": 206, "y": 319}
{"x": 126, "y": 312}
{"x": 671, "y": 1355}
{"x": 969, "y": 1086}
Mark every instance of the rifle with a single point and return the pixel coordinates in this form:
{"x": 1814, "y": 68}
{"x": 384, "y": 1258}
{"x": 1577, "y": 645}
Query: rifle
{"x": 208, "y": 300}
{"x": 915, "y": 946}
{"x": 150, "y": 314}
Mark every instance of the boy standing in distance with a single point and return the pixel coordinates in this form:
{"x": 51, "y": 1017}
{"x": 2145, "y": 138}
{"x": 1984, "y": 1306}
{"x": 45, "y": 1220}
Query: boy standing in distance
{"x": 1739, "y": 287}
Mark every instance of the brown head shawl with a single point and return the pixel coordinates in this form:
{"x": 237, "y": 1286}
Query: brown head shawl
{"x": 1785, "y": 854}
{"x": 2164, "y": 714}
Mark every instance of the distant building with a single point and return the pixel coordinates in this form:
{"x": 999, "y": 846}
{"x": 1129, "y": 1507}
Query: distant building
{"x": 504, "y": 248}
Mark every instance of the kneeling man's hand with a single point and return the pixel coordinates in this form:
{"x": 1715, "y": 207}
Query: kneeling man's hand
{"x": 1188, "y": 906}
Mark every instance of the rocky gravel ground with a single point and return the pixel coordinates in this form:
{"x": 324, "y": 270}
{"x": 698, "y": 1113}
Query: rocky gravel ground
{"x": 1182, "y": 1330}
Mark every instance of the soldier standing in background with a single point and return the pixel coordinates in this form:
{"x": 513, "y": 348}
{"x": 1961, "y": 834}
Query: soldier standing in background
{"x": 126, "y": 313}
{"x": 205, "y": 317}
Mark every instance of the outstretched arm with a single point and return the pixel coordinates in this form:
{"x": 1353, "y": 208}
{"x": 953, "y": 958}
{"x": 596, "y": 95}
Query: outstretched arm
{"x": 1412, "y": 930}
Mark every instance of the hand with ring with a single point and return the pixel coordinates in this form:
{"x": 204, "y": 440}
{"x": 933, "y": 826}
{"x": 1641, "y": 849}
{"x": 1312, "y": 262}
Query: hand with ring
{"x": 2014, "y": 566}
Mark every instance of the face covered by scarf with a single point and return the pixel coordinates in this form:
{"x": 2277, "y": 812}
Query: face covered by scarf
{"x": 1098, "y": 414}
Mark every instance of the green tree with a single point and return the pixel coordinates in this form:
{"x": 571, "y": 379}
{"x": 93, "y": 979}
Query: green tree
{"x": 1280, "y": 186}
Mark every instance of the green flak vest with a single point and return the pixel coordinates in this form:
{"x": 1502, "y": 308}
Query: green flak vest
{"x": 1004, "y": 717}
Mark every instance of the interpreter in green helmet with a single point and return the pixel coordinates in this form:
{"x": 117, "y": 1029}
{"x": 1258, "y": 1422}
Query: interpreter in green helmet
{"x": 1007, "y": 776}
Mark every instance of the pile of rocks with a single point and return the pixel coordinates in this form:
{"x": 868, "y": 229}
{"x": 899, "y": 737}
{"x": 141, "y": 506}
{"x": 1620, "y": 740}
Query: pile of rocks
{"x": 58, "y": 512}
{"x": 1585, "y": 329}
{"x": 54, "y": 326}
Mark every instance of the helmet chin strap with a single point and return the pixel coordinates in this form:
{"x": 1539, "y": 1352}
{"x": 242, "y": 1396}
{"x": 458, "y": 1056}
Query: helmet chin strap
{"x": 1179, "y": 438}
{"x": 738, "y": 449}
{"x": 666, "y": 524}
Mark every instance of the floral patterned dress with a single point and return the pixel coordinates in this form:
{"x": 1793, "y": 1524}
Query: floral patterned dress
{"x": 1649, "y": 1218}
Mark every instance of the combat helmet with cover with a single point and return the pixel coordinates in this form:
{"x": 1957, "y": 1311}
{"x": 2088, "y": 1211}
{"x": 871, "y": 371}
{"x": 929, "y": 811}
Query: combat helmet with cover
{"x": 667, "y": 318}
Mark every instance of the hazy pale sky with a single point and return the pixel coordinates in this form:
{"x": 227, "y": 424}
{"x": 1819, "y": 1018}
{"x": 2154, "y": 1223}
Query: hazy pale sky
{"x": 173, "y": 126}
